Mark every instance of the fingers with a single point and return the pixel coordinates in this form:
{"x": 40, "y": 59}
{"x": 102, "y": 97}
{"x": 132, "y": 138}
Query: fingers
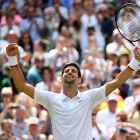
{"x": 11, "y": 46}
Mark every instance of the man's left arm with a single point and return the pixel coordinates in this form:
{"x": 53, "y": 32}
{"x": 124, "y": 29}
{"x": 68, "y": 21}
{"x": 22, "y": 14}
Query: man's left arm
{"x": 125, "y": 74}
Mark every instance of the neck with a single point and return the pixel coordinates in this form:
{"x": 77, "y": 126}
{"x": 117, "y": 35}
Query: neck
{"x": 70, "y": 90}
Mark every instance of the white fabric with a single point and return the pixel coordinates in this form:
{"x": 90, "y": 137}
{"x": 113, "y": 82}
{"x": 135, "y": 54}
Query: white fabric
{"x": 134, "y": 64}
{"x": 63, "y": 11}
{"x": 90, "y": 21}
{"x": 111, "y": 47}
{"x": 5, "y": 30}
{"x": 107, "y": 118}
{"x": 41, "y": 136}
{"x": 129, "y": 104}
{"x": 96, "y": 135}
{"x": 71, "y": 118}
{"x": 88, "y": 79}
{"x": 12, "y": 60}
{"x": 3, "y": 44}
{"x": 71, "y": 57}
{"x": 42, "y": 86}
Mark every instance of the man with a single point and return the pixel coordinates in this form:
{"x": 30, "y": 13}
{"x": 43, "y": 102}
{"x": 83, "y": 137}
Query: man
{"x": 33, "y": 76}
{"x": 33, "y": 130}
{"x": 133, "y": 135}
{"x": 61, "y": 12}
{"x": 6, "y": 126}
{"x": 70, "y": 111}
{"x": 32, "y": 25}
{"x": 108, "y": 113}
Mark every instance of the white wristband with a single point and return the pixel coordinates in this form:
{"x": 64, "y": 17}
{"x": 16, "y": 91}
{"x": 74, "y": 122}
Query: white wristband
{"x": 133, "y": 64}
{"x": 13, "y": 60}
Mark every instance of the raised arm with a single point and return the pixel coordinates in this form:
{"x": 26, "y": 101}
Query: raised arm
{"x": 17, "y": 75}
{"x": 124, "y": 75}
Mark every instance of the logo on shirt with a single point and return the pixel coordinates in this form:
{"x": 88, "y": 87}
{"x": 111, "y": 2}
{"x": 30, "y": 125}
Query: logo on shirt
{"x": 80, "y": 101}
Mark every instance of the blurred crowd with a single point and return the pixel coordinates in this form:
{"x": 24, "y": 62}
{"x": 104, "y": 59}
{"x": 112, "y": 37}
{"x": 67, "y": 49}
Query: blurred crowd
{"x": 50, "y": 33}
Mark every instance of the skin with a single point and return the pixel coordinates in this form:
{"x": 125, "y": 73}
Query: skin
{"x": 69, "y": 79}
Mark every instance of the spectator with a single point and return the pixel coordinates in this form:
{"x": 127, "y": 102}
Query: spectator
{"x": 23, "y": 99}
{"x": 118, "y": 43}
{"x": 9, "y": 26}
{"x": 32, "y": 25}
{"x": 6, "y": 126}
{"x": 77, "y": 12}
{"x": 5, "y": 110}
{"x": 91, "y": 76}
{"x": 33, "y": 130}
{"x": 61, "y": 12}
{"x": 40, "y": 47}
{"x": 17, "y": 19}
{"x": 108, "y": 113}
{"x": 47, "y": 80}
{"x": 130, "y": 100}
{"x": 99, "y": 131}
{"x": 136, "y": 113}
{"x": 19, "y": 125}
{"x": 90, "y": 18}
{"x": 107, "y": 23}
{"x": 62, "y": 51}
{"x": 38, "y": 10}
{"x": 26, "y": 43}
{"x": 33, "y": 77}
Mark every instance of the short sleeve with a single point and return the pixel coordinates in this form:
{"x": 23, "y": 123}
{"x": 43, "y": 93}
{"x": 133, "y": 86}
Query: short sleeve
{"x": 97, "y": 95}
{"x": 44, "y": 98}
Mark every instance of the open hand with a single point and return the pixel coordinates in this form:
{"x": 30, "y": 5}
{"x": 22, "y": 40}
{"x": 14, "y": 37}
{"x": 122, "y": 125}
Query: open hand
{"x": 12, "y": 49}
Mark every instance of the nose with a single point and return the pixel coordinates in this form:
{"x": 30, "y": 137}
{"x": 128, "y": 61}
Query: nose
{"x": 70, "y": 71}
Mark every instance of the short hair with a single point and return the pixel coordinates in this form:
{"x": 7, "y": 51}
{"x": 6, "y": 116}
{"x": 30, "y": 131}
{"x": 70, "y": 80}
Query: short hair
{"x": 72, "y": 64}
{"x": 5, "y": 121}
{"x": 90, "y": 28}
{"x": 6, "y": 90}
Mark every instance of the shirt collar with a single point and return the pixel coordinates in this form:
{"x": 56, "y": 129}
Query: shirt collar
{"x": 63, "y": 96}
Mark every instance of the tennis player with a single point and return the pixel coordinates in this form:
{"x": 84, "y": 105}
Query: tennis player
{"x": 70, "y": 111}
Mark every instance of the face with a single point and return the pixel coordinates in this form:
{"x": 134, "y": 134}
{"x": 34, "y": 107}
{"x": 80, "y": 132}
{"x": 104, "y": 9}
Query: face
{"x": 33, "y": 128}
{"x": 55, "y": 2}
{"x": 70, "y": 75}
{"x": 46, "y": 75}
{"x": 133, "y": 137}
{"x": 77, "y": 5}
{"x": 103, "y": 12}
{"x": 7, "y": 128}
{"x": 40, "y": 64}
{"x": 12, "y": 38}
{"x": 112, "y": 104}
{"x": 61, "y": 43}
{"x": 19, "y": 114}
{"x": 31, "y": 12}
{"x": 6, "y": 98}
{"x": 26, "y": 38}
{"x": 88, "y": 5}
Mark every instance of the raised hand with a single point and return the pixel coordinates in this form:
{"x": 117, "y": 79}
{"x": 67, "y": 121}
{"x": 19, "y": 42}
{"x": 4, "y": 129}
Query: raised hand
{"x": 12, "y": 49}
{"x": 137, "y": 53}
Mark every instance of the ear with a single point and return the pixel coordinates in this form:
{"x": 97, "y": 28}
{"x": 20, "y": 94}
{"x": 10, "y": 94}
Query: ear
{"x": 79, "y": 80}
{"x": 61, "y": 79}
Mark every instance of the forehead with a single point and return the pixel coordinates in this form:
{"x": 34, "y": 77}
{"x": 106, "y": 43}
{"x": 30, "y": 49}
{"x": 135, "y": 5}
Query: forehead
{"x": 70, "y": 68}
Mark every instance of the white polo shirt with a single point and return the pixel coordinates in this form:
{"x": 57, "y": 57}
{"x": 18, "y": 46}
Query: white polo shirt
{"x": 71, "y": 118}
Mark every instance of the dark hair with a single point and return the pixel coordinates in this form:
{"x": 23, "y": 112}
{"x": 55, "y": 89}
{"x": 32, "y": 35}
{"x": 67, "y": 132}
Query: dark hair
{"x": 50, "y": 71}
{"x": 90, "y": 28}
{"x": 42, "y": 43}
{"x": 9, "y": 15}
{"x": 72, "y": 64}
{"x": 5, "y": 121}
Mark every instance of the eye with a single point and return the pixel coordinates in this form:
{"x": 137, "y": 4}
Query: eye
{"x": 66, "y": 71}
{"x": 74, "y": 71}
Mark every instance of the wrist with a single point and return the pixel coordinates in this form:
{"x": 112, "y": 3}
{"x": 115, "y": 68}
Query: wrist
{"x": 13, "y": 61}
{"x": 133, "y": 64}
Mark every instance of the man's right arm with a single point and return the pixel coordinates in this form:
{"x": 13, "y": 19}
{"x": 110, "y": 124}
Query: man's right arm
{"x": 20, "y": 82}
{"x": 17, "y": 75}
